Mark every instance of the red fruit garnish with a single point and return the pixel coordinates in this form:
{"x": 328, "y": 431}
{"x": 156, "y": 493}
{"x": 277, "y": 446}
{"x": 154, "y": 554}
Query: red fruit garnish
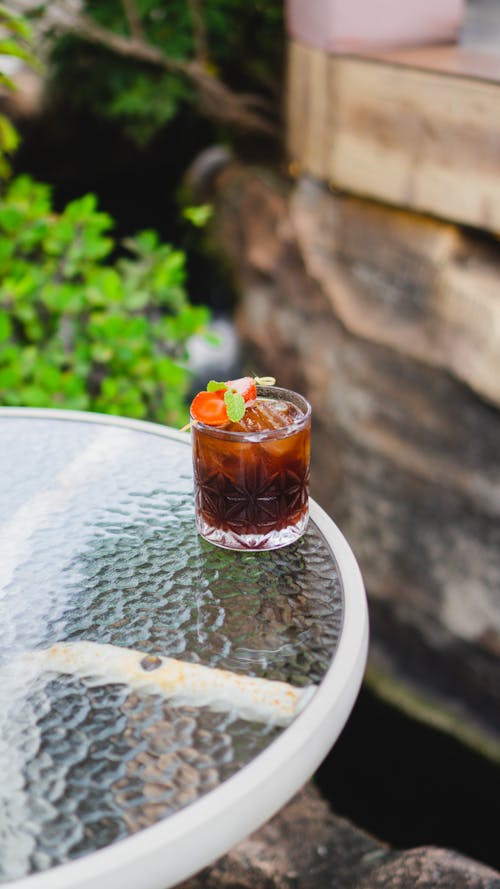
{"x": 210, "y": 408}
{"x": 245, "y": 386}
{"x": 224, "y": 402}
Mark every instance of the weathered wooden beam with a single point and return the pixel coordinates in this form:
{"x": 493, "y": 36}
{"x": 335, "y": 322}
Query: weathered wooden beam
{"x": 417, "y": 128}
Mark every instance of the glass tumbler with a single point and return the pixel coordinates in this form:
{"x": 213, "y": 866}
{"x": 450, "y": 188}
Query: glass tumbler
{"x": 252, "y": 487}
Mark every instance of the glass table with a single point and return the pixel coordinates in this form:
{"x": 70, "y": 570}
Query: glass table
{"x": 160, "y": 698}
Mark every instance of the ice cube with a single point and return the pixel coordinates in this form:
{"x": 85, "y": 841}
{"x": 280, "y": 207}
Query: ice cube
{"x": 267, "y": 413}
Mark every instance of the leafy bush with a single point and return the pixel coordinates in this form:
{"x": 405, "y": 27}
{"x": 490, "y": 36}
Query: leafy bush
{"x": 82, "y": 327}
{"x": 15, "y": 43}
{"x": 141, "y": 62}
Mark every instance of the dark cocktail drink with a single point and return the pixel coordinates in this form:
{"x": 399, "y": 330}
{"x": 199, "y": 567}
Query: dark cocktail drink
{"x": 252, "y": 476}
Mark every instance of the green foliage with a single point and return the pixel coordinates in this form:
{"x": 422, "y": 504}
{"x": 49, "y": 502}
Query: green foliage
{"x": 245, "y": 45}
{"x": 9, "y": 141}
{"x": 198, "y": 215}
{"x": 15, "y": 42}
{"x": 80, "y": 329}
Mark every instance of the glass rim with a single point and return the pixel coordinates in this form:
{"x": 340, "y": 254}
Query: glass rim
{"x": 280, "y": 394}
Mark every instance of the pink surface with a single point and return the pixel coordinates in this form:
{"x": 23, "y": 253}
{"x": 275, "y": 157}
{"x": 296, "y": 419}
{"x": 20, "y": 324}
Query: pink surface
{"x": 345, "y": 25}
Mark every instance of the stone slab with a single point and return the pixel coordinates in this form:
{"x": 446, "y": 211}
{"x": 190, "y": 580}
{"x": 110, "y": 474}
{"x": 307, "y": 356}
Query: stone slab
{"x": 344, "y": 300}
{"x": 307, "y": 846}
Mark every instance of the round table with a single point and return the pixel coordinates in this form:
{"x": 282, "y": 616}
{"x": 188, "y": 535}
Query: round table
{"x": 111, "y": 781}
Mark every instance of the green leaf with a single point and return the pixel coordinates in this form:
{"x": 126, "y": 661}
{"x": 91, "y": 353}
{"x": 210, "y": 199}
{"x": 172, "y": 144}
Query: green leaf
{"x": 28, "y": 358}
{"x": 10, "y": 218}
{"x": 199, "y": 215}
{"x": 61, "y": 298}
{"x": 35, "y": 396}
{"x": 47, "y": 377}
{"x": 7, "y": 81}
{"x": 14, "y": 23}
{"x": 101, "y": 353}
{"x": 5, "y": 326}
{"x": 143, "y": 242}
{"x": 9, "y": 379}
{"x": 138, "y": 299}
{"x": 213, "y": 386}
{"x": 104, "y": 286}
{"x": 9, "y": 137}
{"x": 170, "y": 373}
{"x": 235, "y": 405}
{"x": 16, "y": 50}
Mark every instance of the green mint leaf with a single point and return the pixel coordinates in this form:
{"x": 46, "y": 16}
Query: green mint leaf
{"x": 235, "y": 405}
{"x": 213, "y": 386}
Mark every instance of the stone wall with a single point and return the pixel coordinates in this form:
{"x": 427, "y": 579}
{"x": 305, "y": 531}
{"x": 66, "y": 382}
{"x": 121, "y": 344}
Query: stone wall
{"x": 307, "y": 846}
{"x": 390, "y": 323}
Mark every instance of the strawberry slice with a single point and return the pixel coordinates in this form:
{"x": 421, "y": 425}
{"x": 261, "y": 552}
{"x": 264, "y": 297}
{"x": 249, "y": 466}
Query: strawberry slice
{"x": 215, "y": 406}
{"x": 245, "y": 386}
{"x": 209, "y": 408}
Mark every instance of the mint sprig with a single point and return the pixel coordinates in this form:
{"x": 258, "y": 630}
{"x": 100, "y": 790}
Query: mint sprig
{"x": 235, "y": 405}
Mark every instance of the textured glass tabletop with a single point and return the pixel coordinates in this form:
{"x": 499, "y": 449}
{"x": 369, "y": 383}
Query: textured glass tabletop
{"x": 98, "y": 544}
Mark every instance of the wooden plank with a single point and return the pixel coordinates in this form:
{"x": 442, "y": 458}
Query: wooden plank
{"x": 398, "y": 129}
{"x": 308, "y": 106}
{"x": 462, "y": 61}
